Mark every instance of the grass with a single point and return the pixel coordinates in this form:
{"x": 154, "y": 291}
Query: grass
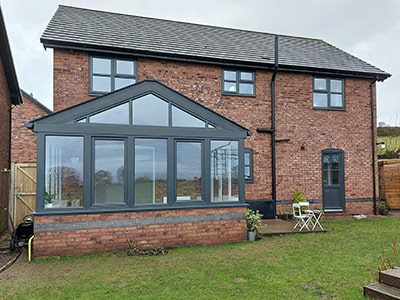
{"x": 332, "y": 265}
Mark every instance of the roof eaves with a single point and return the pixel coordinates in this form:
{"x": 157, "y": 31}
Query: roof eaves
{"x": 36, "y": 102}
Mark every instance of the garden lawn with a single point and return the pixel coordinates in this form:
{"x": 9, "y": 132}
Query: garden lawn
{"x": 336, "y": 264}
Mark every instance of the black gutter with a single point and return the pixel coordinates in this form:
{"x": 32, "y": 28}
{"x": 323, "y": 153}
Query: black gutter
{"x": 373, "y": 143}
{"x": 273, "y": 136}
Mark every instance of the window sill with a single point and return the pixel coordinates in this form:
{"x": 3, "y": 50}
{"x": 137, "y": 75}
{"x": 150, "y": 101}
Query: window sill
{"x": 105, "y": 210}
{"x": 330, "y": 108}
{"x": 238, "y": 95}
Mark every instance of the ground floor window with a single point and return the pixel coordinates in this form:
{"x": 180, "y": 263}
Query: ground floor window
{"x": 63, "y": 172}
{"x": 224, "y": 171}
{"x": 161, "y": 168}
{"x": 151, "y": 171}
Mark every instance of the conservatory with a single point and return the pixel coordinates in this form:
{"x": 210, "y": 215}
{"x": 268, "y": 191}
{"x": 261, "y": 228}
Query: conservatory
{"x": 143, "y": 148}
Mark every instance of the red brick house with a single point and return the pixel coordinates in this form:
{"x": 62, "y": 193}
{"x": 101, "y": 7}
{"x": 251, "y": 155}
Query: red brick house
{"x": 9, "y": 97}
{"x": 31, "y": 109}
{"x": 218, "y": 119}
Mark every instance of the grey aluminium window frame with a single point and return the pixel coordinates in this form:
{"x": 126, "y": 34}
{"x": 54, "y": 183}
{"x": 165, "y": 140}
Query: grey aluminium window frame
{"x": 328, "y": 92}
{"x": 249, "y": 152}
{"x": 238, "y": 81}
{"x": 113, "y": 75}
{"x": 63, "y": 124}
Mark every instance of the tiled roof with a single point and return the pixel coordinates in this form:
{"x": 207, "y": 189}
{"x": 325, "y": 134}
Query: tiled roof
{"x": 97, "y": 29}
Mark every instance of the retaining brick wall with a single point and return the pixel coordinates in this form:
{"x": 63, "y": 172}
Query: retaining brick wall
{"x": 88, "y": 233}
{"x": 298, "y": 125}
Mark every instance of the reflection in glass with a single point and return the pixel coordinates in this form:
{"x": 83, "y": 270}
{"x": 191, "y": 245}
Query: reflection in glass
{"x": 224, "y": 171}
{"x": 101, "y": 84}
{"x": 181, "y": 118}
{"x": 320, "y": 100}
{"x": 150, "y": 110}
{"x": 188, "y": 171}
{"x": 116, "y": 115}
{"x": 150, "y": 171}
{"x": 109, "y": 163}
{"x": 101, "y": 66}
{"x": 63, "y": 172}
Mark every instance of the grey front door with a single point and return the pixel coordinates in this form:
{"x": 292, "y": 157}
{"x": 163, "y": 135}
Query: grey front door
{"x": 333, "y": 180}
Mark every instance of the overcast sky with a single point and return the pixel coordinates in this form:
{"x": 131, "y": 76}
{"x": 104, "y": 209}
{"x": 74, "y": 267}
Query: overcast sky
{"x": 368, "y": 29}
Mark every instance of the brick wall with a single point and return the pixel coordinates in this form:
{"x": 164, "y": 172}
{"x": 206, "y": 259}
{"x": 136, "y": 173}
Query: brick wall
{"x": 23, "y": 144}
{"x": 297, "y": 122}
{"x": 80, "y": 234}
{"x": 5, "y": 106}
{"x": 70, "y": 78}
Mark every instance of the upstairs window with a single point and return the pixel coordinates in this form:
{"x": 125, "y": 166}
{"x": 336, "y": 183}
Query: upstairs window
{"x": 238, "y": 82}
{"x": 328, "y": 93}
{"x": 110, "y": 74}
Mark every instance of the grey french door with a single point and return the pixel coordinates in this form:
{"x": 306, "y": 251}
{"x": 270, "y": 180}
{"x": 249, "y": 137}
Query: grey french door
{"x": 333, "y": 192}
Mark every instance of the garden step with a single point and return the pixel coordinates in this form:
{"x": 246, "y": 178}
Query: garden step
{"x": 390, "y": 277}
{"x": 381, "y": 291}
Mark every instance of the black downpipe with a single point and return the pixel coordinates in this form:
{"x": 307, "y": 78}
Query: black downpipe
{"x": 373, "y": 143}
{"x": 273, "y": 138}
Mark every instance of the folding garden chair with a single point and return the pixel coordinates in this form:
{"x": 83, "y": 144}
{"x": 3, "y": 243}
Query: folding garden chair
{"x": 304, "y": 219}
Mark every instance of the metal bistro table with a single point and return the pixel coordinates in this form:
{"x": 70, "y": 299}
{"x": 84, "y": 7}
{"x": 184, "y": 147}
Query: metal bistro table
{"x": 316, "y": 215}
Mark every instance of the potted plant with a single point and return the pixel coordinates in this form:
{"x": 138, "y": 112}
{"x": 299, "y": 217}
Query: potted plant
{"x": 253, "y": 221}
{"x": 298, "y": 197}
{"x": 382, "y": 208}
{"x": 48, "y": 200}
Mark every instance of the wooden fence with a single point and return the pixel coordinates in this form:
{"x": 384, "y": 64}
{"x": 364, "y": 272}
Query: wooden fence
{"x": 23, "y": 191}
{"x": 389, "y": 182}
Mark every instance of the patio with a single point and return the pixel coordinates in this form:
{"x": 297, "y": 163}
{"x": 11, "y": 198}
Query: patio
{"x": 278, "y": 227}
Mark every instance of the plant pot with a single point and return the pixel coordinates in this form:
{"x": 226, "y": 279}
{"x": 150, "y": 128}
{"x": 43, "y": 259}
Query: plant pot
{"x": 251, "y": 235}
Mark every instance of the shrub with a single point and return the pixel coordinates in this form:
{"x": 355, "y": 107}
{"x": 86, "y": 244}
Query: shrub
{"x": 382, "y": 208}
{"x": 133, "y": 249}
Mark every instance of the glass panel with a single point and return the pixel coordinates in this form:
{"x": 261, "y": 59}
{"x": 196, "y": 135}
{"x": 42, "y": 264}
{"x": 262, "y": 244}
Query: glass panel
{"x": 336, "y": 100}
{"x": 230, "y": 75}
{"x": 320, "y": 100}
{"x": 125, "y": 67}
{"x": 123, "y": 82}
{"x": 336, "y": 86}
{"x": 109, "y": 163}
{"x": 247, "y": 172}
{"x": 188, "y": 171}
{"x": 224, "y": 171}
{"x": 246, "y": 76}
{"x": 150, "y": 110}
{"x": 81, "y": 120}
{"x": 63, "y": 172}
{"x": 101, "y": 84}
{"x": 247, "y": 158}
{"x": 246, "y": 88}
{"x": 230, "y": 86}
{"x": 320, "y": 84}
{"x": 150, "y": 171}
{"x": 101, "y": 66}
{"x": 116, "y": 115}
{"x": 334, "y": 178}
{"x": 181, "y": 118}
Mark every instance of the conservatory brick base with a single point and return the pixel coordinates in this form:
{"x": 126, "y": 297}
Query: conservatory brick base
{"x": 76, "y": 234}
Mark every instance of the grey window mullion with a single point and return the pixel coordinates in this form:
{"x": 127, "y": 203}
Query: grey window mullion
{"x": 130, "y": 170}
{"x": 87, "y": 171}
{"x": 241, "y": 171}
{"x": 171, "y": 172}
{"x": 207, "y": 171}
{"x": 41, "y": 161}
